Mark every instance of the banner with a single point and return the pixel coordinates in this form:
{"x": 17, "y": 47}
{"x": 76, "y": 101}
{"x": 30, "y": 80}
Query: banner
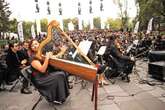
{"x": 136, "y": 27}
{"x": 80, "y": 27}
{"x": 70, "y": 26}
{"x": 38, "y": 26}
{"x": 20, "y": 31}
{"x": 149, "y": 28}
{"x": 33, "y": 32}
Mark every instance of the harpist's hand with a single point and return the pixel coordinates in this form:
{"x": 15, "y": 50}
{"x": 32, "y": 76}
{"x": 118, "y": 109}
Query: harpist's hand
{"x": 63, "y": 48}
{"x": 132, "y": 59}
{"x": 49, "y": 55}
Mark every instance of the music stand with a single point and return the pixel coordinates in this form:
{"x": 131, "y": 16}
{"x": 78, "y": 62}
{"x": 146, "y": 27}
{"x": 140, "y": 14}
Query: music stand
{"x": 100, "y": 53}
{"x": 84, "y": 46}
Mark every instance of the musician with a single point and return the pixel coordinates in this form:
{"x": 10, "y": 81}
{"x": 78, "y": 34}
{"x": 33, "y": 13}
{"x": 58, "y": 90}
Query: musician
{"x": 14, "y": 67}
{"x": 158, "y": 44}
{"x": 123, "y": 62}
{"x": 23, "y": 53}
{"x": 24, "y": 59}
{"x": 51, "y": 83}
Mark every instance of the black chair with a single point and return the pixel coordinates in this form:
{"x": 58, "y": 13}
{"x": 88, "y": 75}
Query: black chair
{"x": 3, "y": 69}
{"x": 27, "y": 73}
{"x": 17, "y": 79}
{"x": 116, "y": 69}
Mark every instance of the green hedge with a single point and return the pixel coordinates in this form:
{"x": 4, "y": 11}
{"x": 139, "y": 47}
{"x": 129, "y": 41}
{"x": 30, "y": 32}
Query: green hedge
{"x": 4, "y": 42}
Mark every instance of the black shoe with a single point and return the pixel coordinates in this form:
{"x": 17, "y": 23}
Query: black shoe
{"x": 26, "y": 91}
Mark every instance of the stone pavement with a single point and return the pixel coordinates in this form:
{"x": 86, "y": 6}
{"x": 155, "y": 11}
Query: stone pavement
{"x": 118, "y": 96}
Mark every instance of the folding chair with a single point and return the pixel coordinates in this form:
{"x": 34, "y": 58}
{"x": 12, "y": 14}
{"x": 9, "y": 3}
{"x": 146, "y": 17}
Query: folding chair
{"x": 27, "y": 73}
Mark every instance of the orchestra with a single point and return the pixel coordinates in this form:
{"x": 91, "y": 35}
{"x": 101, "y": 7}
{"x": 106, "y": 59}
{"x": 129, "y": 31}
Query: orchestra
{"x": 52, "y": 62}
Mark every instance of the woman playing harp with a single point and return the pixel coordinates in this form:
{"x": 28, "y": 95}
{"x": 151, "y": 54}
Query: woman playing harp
{"x": 52, "y": 84}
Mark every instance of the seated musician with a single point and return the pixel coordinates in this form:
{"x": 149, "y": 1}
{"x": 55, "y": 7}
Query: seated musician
{"x": 123, "y": 62}
{"x": 51, "y": 83}
{"x": 158, "y": 44}
{"x": 14, "y": 65}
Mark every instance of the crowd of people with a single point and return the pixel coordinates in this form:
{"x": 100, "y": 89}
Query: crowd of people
{"x": 52, "y": 83}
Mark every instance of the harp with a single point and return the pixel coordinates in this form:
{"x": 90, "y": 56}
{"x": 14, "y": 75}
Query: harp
{"x": 86, "y": 70}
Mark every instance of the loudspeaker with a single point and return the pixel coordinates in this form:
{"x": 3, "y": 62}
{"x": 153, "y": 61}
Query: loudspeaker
{"x": 156, "y": 56}
{"x": 157, "y": 70}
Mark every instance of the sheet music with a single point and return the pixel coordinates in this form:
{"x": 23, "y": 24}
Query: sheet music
{"x": 129, "y": 48}
{"x": 101, "y": 50}
{"x": 84, "y": 46}
{"x": 135, "y": 42}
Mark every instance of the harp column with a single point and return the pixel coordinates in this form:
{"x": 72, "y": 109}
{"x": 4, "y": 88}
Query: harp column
{"x": 90, "y": 15}
{"x": 37, "y": 11}
{"x": 79, "y": 17}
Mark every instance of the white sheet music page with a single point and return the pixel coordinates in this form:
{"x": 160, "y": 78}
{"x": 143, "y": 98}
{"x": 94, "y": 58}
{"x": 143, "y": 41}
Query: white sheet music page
{"x": 101, "y": 50}
{"x": 84, "y": 46}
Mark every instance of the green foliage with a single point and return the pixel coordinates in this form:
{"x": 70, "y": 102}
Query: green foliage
{"x": 67, "y": 21}
{"x": 123, "y": 14}
{"x": 44, "y": 25}
{"x": 97, "y": 22}
{"x": 114, "y": 24}
{"x": 27, "y": 29}
{"x": 4, "y": 16}
{"x": 65, "y": 24}
{"x": 13, "y": 26}
{"x": 75, "y": 23}
{"x": 149, "y": 9}
{"x": 3, "y": 42}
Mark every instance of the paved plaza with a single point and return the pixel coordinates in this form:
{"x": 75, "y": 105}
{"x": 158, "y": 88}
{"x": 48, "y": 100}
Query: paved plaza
{"x": 118, "y": 96}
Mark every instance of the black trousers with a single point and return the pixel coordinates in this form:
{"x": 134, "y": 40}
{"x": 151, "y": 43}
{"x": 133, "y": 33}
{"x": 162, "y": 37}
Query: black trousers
{"x": 13, "y": 75}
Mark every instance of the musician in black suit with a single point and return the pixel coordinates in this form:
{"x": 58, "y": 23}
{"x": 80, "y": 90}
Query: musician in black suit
{"x": 24, "y": 59}
{"x": 14, "y": 66}
{"x": 13, "y": 63}
{"x": 23, "y": 53}
{"x": 123, "y": 63}
{"x": 158, "y": 44}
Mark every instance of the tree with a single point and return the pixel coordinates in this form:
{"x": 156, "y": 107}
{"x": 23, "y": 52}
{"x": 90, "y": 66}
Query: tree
{"x": 149, "y": 9}
{"x": 65, "y": 23}
{"x": 27, "y": 29}
{"x": 44, "y": 25}
{"x": 75, "y": 23}
{"x": 114, "y": 24}
{"x": 13, "y": 26}
{"x": 4, "y": 16}
{"x": 97, "y": 22}
{"x": 123, "y": 7}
